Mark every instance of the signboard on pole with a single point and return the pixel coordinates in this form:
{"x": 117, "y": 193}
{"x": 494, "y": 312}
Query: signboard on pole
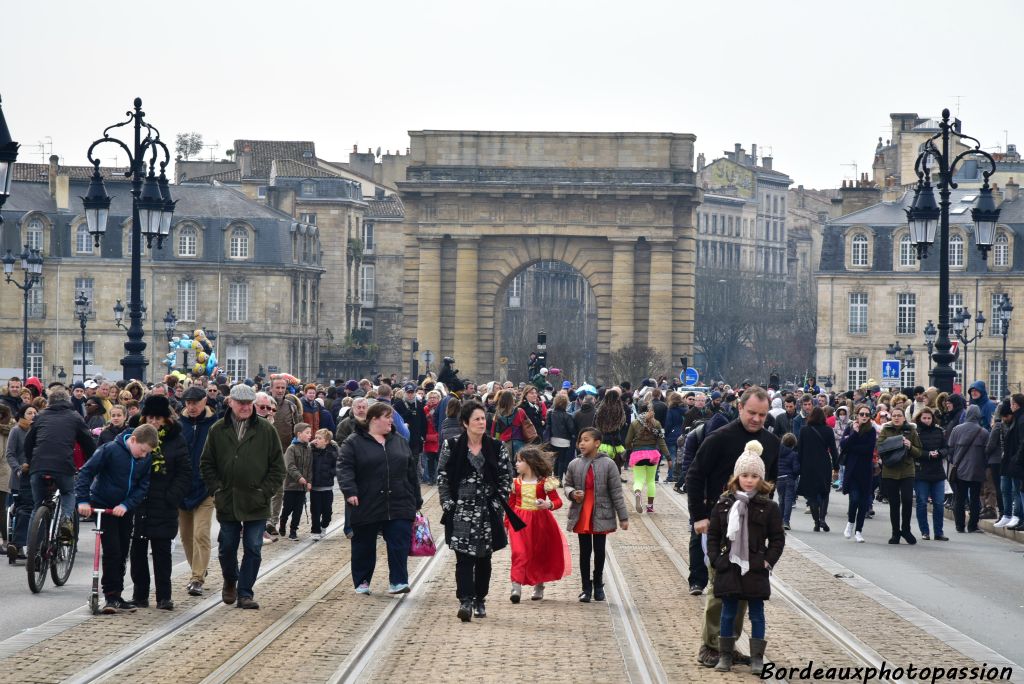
{"x": 689, "y": 377}
{"x": 890, "y": 373}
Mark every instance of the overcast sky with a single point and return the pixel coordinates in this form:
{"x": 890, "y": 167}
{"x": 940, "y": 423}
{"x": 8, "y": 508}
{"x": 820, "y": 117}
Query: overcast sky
{"x": 813, "y": 82}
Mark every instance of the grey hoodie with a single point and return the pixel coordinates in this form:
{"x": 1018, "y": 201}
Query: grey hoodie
{"x": 967, "y": 444}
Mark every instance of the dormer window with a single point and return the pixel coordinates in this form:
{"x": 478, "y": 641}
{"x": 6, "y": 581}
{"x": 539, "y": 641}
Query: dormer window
{"x": 308, "y": 189}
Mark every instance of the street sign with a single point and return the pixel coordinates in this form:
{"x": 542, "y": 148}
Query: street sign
{"x": 890, "y": 373}
{"x": 690, "y": 376}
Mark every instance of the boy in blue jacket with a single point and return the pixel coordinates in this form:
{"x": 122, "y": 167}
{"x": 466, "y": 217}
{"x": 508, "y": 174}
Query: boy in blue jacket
{"x": 116, "y": 477}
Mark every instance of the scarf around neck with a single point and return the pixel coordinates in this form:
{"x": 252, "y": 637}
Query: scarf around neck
{"x": 739, "y": 551}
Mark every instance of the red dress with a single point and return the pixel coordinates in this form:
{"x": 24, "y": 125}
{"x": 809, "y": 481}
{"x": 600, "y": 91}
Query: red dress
{"x": 540, "y": 552}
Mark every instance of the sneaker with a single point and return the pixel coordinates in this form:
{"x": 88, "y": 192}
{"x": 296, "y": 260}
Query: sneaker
{"x": 871, "y": 514}
{"x": 650, "y": 508}
{"x": 117, "y": 605}
{"x": 858, "y": 537}
{"x": 363, "y": 588}
{"x": 402, "y": 588}
{"x": 925, "y": 537}
{"x": 1012, "y": 522}
{"x": 848, "y": 532}
{"x": 1002, "y": 522}
{"x": 271, "y": 530}
{"x": 638, "y": 501}
{"x": 293, "y": 536}
{"x": 696, "y": 590}
{"x": 166, "y": 604}
{"x": 785, "y": 525}
{"x": 317, "y": 536}
{"x": 195, "y": 588}
{"x": 268, "y": 538}
{"x": 939, "y": 537}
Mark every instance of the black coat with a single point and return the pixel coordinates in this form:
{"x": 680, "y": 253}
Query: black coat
{"x": 766, "y": 539}
{"x": 412, "y": 414}
{"x": 170, "y": 477}
{"x": 325, "y": 464}
{"x": 384, "y": 478}
{"x": 857, "y": 451}
{"x": 816, "y": 446}
{"x": 1013, "y": 447}
{"x": 932, "y": 439}
{"x": 533, "y": 412}
{"x": 51, "y": 440}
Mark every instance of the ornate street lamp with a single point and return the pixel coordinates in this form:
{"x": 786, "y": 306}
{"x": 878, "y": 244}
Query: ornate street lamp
{"x": 930, "y": 333}
{"x": 921, "y": 219}
{"x": 62, "y": 376}
{"x": 961, "y": 328}
{"x": 8, "y": 155}
{"x": 82, "y": 311}
{"x": 32, "y": 266}
{"x": 1005, "y": 314}
{"x": 152, "y": 212}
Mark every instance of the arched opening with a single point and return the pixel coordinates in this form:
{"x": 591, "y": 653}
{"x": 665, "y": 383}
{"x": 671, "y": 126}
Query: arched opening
{"x": 554, "y": 297}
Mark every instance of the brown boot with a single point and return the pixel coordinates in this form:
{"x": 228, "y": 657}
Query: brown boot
{"x": 757, "y": 655}
{"x": 725, "y": 648}
{"x": 229, "y": 594}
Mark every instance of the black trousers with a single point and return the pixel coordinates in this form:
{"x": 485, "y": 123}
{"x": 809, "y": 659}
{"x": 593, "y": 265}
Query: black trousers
{"x": 472, "y": 576}
{"x": 161, "y": 567}
{"x": 995, "y": 470}
{"x": 901, "y": 502}
{"x": 592, "y": 544}
{"x": 698, "y": 571}
{"x": 320, "y": 504}
{"x": 292, "y": 506}
{"x": 115, "y": 543}
{"x": 968, "y": 493}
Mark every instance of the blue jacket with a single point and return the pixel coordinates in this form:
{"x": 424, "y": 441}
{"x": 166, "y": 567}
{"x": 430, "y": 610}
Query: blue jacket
{"x": 674, "y": 424}
{"x": 987, "y": 406}
{"x": 399, "y": 423}
{"x": 195, "y": 430}
{"x": 113, "y": 477}
{"x": 789, "y": 462}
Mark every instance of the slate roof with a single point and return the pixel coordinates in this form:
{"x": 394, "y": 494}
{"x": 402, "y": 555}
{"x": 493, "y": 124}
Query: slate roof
{"x": 387, "y": 208}
{"x": 893, "y": 214}
{"x": 232, "y": 176}
{"x": 289, "y": 168}
{"x": 264, "y": 152}
{"x": 39, "y": 173}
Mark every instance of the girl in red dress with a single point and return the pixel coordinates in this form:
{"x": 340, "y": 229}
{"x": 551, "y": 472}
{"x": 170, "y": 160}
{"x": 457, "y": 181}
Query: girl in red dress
{"x": 540, "y": 552}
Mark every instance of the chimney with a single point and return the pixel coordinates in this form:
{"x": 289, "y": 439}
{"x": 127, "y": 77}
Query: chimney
{"x": 753, "y": 154}
{"x": 52, "y": 175}
{"x": 1012, "y": 191}
{"x": 766, "y": 162}
{"x": 997, "y": 194}
{"x": 245, "y": 161}
{"x": 857, "y": 195}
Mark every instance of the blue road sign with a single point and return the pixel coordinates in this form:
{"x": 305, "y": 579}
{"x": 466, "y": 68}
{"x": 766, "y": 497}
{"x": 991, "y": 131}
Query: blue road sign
{"x": 891, "y": 369}
{"x": 689, "y": 376}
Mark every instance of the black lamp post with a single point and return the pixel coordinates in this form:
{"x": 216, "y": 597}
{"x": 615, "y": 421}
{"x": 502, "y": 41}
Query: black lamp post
{"x": 924, "y": 217}
{"x": 8, "y": 155}
{"x": 1004, "y": 315}
{"x": 961, "y": 328}
{"x": 908, "y": 359}
{"x": 32, "y": 265}
{"x": 930, "y": 334}
{"x": 82, "y": 311}
{"x": 152, "y": 212}
{"x": 62, "y": 376}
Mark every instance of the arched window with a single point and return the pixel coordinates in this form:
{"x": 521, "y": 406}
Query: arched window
{"x": 1001, "y": 251}
{"x": 34, "y": 234}
{"x": 239, "y": 243}
{"x": 188, "y": 238}
{"x": 908, "y": 253}
{"x": 859, "y": 253}
{"x": 956, "y": 252}
{"x": 83, "y": 239}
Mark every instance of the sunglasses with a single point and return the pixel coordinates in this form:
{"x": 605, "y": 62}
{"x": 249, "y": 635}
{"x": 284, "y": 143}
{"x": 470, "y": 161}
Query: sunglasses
{"x": 864, "y": 415}
{"x": 272, "y": 409}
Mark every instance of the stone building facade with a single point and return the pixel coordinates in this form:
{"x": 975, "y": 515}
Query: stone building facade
{"x": 872, "y": 290}
{"x": 230, "y": 265}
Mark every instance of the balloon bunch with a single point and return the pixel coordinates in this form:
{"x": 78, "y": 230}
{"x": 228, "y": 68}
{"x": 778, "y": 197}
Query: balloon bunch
{"x": 204, "y": 359}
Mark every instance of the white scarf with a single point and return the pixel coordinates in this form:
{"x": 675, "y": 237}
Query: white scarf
{"x": 739, "y": 550}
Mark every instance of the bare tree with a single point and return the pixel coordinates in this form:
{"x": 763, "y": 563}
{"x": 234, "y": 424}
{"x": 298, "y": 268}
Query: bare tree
{"x": 636, "y": 362}
{"x": 188, "y": 144}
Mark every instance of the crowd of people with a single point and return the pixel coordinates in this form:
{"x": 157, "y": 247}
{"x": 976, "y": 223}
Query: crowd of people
{"x": 166, "y": 458}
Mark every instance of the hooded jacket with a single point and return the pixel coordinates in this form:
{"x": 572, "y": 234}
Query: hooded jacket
{"x": 928, "y": 468}
{"x": 194, "y": 431}
{"x": 953, "y": 418}
{"x": 113, "y": 477}
{"x": 986, "y": 405}
{"x": 967, "y": 447}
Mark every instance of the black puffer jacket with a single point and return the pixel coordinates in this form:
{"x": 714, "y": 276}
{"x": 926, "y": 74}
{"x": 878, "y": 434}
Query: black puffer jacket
{"x": 382, "y": 476}
{"x": 325, "y": 464}
{"x": 929, "y": 469}
{"x": 765, "y": 541}
{"x": 170, "y": 478}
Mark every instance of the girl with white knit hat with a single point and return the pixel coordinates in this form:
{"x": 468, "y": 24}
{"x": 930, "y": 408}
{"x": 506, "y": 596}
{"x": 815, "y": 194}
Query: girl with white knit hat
{"x": 745, "y": 541}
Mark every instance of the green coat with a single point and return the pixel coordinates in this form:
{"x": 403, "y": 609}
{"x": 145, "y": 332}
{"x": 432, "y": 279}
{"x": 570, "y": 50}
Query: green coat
{"x": 905, "y": 468}
{"x": 242, "y": 476}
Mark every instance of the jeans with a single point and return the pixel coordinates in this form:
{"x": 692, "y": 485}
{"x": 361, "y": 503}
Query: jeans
{"x": 115, "y": 541}
{"x": 423, "y": 468}
{"x": 899, "y": 492}
{"x": 698, "y": 571}
{"x": 786, "y": 487}
{"x": 250, "y": 533}
{"x": 194, "y": 527}
{"x": 713, "y": 617}
{"x": 472, "y": 576}
{"x": 859, "y": 505}
{"x": 1009, "y": 490}
{"x": 728, "y": 621}
{"x": 672, "y": 473}
{"x": 66, "y": 485}
{"x": 161, "y": 568}
{"x": 924, "y": 490}
{"x": 430, "y": 472}
{"x": 969, "y": 493}
{"x": 592, "y": 543}
{"x": 397, "y": 538}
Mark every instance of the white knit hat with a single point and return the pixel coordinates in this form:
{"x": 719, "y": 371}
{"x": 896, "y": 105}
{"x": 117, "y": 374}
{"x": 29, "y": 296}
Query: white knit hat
{"x": 750, "y": 460}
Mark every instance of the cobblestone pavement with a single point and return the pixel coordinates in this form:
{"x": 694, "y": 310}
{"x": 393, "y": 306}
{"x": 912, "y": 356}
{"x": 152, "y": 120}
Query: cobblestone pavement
{"x": 426, "y": 642}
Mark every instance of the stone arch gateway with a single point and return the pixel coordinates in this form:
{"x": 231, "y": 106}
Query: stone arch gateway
{"x": 480, "y": 206}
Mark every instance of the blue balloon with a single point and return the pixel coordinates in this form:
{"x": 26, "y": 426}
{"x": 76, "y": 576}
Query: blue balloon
{"x": 211, "y": 362}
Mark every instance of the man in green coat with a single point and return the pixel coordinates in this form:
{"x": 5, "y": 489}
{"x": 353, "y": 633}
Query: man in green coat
{"x": 242, "y": 465}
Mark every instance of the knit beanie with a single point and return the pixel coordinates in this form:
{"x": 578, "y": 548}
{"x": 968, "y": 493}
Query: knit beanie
{"x": 750, "y": 460}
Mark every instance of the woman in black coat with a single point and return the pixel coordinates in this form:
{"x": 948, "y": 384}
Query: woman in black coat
{"x": 156, "y": 520}
{"x": 819, "y": 465}
{"x": 857, "y": 451}
{"x": 377, "y": 475}
{"x": 929, "y": 474}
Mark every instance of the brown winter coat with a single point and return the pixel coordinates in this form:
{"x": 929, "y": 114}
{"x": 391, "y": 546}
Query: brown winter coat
{"x": 766, "y": 537}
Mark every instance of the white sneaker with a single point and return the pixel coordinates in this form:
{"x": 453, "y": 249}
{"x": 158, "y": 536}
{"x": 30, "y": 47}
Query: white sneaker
{"x": 1003, "y": 522}
{"x": 848, "y": 532}
{"x": 639, "y": 501}
{"x": 1014, "y": 521}
{"x": 859, "y": 538}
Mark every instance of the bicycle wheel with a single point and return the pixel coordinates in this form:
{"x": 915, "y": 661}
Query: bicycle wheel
{"x": 38, "y": 561}
{"x": 64, "y": 556}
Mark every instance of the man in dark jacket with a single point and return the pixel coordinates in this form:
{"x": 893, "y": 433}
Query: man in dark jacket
{"x": 584, "y": 418}
{"x": 411, "y": 411}
{"x": 195, "y": 515}
{"x": 243, "y": 465}
{"x": 12, "y": 396}
{"x": 707, "y": 478}
{"x": 979, "y": 397}
{"x": 49, "y": 450}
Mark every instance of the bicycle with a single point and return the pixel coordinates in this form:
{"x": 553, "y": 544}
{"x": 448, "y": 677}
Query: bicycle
{"x": 47, "y": 551}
